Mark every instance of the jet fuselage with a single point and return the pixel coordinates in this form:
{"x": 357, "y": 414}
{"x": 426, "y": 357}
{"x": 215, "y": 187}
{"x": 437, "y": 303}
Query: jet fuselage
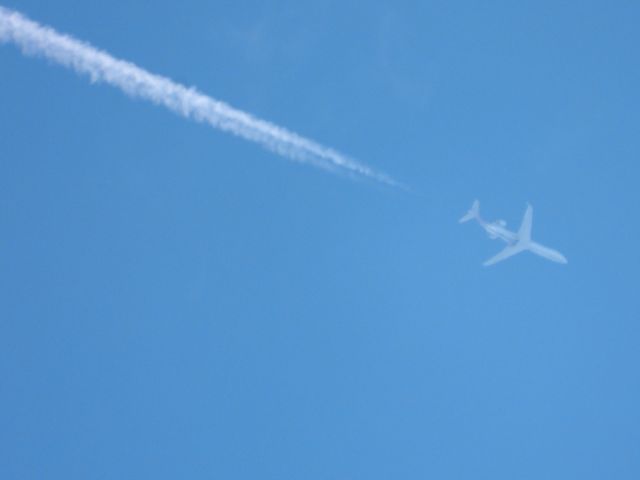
{"x": 516, "y": 241}
{"x": 496, "y": 230}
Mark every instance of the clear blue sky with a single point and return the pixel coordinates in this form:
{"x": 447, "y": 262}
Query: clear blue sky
{"x": 178, "y": 303}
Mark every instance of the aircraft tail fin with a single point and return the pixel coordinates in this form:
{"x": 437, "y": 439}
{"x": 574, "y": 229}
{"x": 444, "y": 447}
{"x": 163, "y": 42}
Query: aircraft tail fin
{"x": 474, "y": 212}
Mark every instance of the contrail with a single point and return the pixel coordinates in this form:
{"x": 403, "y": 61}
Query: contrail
{"x": 84, "y": 59}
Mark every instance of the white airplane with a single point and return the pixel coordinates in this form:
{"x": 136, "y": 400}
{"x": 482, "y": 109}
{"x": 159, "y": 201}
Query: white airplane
{"x": 516, "y": 242}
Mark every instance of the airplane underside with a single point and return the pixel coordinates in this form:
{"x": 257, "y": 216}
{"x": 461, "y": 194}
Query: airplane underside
{"x": 517, "y": 242}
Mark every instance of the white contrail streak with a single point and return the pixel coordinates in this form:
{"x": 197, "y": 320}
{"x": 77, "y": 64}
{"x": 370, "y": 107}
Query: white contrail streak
{"x": 35, "y": 39}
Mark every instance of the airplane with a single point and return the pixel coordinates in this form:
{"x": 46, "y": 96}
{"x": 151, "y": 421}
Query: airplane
{"x": 516, "y": 241}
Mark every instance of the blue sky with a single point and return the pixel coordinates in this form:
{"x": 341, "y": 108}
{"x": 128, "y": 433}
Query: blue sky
{"x": 177, "y": 302}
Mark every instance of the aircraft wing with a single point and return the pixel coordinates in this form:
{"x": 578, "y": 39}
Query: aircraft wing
{"x": 524, "y": 234}
{"x": 504, "y": 254}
